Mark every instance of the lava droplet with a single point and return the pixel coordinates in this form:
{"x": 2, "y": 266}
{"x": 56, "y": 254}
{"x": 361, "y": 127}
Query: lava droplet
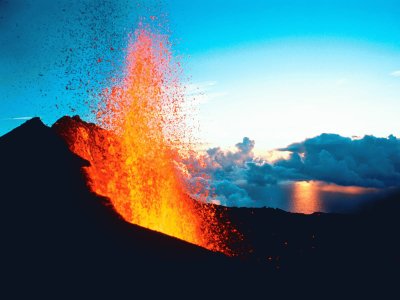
{"x": 136, "y": 150}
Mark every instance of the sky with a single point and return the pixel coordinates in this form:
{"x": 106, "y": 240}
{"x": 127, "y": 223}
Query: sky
{"x": 283, "y": 71}
{"x": 316, "y": 80}
{"x": 55, "y": 55}
{"x": 276, "y": 71}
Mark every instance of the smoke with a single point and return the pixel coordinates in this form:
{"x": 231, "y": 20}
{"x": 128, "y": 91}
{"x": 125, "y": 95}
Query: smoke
{"x": 238, "y": 178}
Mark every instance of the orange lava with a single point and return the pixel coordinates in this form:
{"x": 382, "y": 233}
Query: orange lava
{"x": 136, "y": 158}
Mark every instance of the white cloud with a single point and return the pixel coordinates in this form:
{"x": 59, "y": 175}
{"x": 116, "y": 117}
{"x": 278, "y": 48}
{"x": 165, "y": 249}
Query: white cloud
{"x": 201, "y": 92}
{"x": 342, "y": 81}
{"x": 17, "y": 118}
{"x": 206, "y": 97}
{"x": 193, "y": 88}
{"x": 395, "y": 73}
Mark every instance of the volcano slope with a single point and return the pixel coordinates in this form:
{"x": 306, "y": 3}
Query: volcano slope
{"x": 54, "y": 230}
{"x": 56, "y": 233}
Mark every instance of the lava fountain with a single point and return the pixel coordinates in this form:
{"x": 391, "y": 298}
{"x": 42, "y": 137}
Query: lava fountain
{"x": 135, "y": 154}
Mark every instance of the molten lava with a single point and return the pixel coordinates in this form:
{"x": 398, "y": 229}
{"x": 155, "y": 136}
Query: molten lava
{"x": 136, "y": 159}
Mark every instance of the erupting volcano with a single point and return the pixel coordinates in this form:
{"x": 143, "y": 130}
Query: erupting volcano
{"x": 136, "y": 156}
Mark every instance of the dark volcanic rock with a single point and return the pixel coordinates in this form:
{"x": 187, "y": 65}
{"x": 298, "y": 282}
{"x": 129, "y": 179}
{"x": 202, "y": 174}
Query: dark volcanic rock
{"x": 57, "y": 235}
{"x": 55, "y": 231}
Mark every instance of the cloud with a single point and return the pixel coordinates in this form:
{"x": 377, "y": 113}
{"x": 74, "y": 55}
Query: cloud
{"x": 368, "y": 162}
{"x": 19, "y": 118}
{"x": 201, "y": 92}
{"x": 395, "y": 73}
{"x": 342, "y": 81}
{"x": 199, "y": 86}
{"x": 225, "y": 173}
{"x": 230, "y": 194}
{"x": 238, "y": 178}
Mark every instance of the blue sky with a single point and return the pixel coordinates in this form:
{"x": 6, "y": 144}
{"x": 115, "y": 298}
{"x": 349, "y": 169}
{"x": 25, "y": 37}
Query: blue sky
{"x": 276, "y": 71}
{"x": 282, "y": 71}
{"x": 50, "y": 52}
{"x": 210, "y": 25}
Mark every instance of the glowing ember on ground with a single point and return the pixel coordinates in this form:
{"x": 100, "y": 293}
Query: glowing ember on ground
{"x": 135, "y": 158}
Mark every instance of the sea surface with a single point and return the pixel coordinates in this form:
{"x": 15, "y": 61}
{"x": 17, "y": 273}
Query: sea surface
{"x": 315, "y": 196}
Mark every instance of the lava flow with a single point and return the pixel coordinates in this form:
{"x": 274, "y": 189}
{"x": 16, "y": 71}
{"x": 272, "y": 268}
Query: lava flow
{"x": 135, "y": 156}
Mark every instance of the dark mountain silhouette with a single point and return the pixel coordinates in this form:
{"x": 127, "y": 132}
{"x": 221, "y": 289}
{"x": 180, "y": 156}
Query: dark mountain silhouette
{"x": 58, "y": 236}
{"x": 54, "y": 231}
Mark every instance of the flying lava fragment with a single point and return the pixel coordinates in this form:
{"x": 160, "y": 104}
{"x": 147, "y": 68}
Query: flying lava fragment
{"x": 135, "y": 153}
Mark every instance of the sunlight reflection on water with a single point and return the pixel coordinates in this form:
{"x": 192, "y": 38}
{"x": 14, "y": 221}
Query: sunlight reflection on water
{"x": 306, "y": 197}
{"x": 316, "y": 196}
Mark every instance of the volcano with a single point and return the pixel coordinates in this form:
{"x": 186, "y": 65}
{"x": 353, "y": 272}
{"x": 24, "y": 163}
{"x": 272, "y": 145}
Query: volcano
{"x": 56, "y": 230}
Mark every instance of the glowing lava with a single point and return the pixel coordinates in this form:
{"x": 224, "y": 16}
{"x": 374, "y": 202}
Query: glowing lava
{"x": 135, "y": 158}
